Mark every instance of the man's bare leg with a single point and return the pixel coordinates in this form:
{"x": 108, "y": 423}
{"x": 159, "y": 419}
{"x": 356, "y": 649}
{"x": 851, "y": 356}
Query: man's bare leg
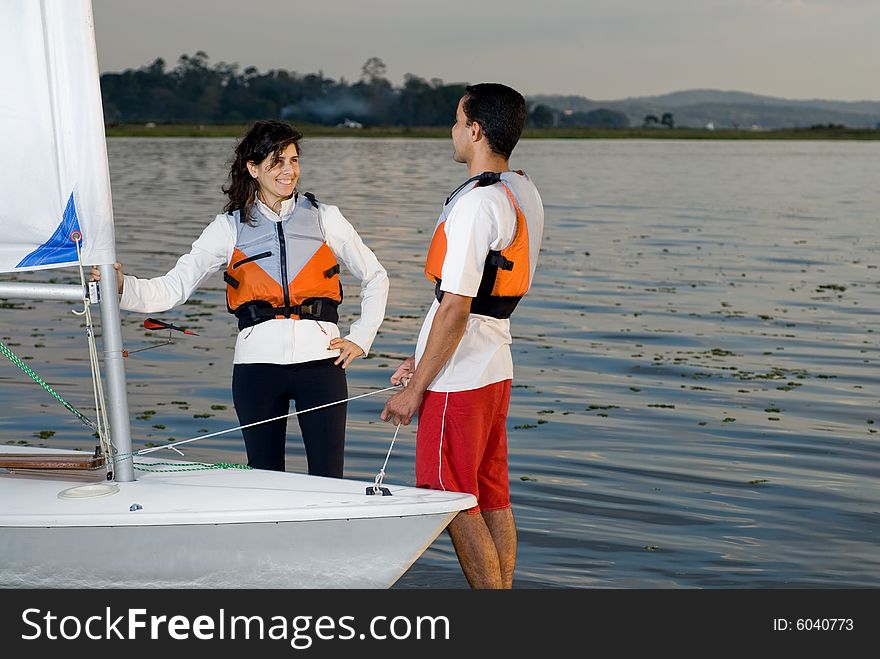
{"x": 476, "y": 551}
{"x": 502, "y": 527}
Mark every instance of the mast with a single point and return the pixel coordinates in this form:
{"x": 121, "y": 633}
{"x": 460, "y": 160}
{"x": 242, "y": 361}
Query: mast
{"x": 114, "y": 367}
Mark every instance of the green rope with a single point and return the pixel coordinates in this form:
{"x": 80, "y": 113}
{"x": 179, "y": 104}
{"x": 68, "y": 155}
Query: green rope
{"x": 36, "y": 378}
{"x": 192, "y": 466}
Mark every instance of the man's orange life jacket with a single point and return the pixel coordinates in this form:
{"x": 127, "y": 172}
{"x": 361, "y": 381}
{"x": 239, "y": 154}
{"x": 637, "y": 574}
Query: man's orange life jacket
{"x": 506, "y": 272}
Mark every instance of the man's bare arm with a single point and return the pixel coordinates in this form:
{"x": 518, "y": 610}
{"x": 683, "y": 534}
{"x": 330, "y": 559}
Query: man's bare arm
{"x": 448, "y": 327}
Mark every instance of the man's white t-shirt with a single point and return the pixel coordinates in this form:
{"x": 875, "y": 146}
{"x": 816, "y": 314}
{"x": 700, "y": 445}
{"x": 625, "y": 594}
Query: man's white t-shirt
{"x": 481, "y": 220}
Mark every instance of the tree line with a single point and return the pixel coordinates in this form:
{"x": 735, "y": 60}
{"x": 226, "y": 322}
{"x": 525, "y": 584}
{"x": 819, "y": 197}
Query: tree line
{"x": 197, "y": 91}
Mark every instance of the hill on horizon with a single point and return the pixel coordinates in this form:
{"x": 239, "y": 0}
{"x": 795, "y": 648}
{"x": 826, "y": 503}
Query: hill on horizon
{"x": 727, "y": 109}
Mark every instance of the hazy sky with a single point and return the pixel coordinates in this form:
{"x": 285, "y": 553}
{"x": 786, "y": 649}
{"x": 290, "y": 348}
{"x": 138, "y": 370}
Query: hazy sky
{"x": 602, "y": 49}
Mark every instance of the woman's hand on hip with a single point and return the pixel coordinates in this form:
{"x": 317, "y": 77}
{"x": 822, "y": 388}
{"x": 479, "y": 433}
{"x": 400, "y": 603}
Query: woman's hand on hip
{"x": 348, "y": 351}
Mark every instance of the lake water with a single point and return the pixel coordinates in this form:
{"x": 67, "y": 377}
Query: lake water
{"x": 695, "y": 400}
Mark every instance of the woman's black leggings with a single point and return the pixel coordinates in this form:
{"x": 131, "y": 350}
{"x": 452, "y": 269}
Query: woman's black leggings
{"x": 264, "y": 391}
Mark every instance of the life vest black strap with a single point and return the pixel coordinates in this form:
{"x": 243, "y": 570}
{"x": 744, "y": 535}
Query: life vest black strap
{"x": 313, "y": 308}
{"x": 496, "y": 306}
{"x": 488, "y": 178}
{"x": 499, "y": 261}
{"x": 311, "y": 198}
{"x": 482, "y": 179}
{"x": 329, "y": 272}
{"x": 232, "y": 281}
{"x": 494, "y": 262}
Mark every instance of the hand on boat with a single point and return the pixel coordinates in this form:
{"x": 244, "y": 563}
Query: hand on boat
{"x": 348, "y": 351}
{"x": 96, "y": 275}
{"x": 404, "y": 372}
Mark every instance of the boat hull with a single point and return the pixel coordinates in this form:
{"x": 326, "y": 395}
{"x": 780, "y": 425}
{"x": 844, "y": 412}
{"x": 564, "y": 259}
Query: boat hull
{"x": 347, "y": 553}
{"x": 178, "y": 526}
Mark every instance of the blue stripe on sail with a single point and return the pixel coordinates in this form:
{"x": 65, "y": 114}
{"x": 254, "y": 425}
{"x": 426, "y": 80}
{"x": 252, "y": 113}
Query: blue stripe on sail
{"x": 59, "y": 248}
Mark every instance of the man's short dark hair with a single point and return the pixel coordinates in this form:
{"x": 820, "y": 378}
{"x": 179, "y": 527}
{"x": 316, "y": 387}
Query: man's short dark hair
{"x": 500, "y": 111}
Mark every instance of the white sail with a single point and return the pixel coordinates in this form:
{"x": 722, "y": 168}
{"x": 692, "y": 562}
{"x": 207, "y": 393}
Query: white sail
{"x": 54, "y": 178}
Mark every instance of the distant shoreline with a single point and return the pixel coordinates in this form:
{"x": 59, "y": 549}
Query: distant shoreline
{"x": 237, "y": 130}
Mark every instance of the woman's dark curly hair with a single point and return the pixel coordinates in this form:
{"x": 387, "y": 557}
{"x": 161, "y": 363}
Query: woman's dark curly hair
{"x": 264, "y": 139}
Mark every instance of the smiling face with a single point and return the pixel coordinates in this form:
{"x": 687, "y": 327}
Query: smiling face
{"x": 277, "y": 176}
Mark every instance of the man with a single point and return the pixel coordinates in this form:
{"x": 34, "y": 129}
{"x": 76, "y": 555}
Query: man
{"x": 482, "y": 261}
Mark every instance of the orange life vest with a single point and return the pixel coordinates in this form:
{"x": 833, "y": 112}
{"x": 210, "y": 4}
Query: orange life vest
{"x": 283, "y": 269}
{"x": 506, "y": 272}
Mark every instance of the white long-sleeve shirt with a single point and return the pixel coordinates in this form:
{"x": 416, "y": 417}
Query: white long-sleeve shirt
{"x": 280, "y": 340}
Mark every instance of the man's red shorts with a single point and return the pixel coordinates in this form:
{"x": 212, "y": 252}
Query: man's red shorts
{"x": 461, "y": 444}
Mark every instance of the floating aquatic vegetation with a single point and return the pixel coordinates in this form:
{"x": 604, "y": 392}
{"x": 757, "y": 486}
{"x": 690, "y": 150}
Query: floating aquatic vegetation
{"x": 202, "y": 416}
{"x": 44, "y": 434}
{"x": 218, "y": 407}
{"x": 527, "y": 478}
{"x": 661, "y": 405}
{"x": 650, "y": 547}
{"x": 758, "y": 481}
{"x": 729, "y": 419}
{"x": 524, "y": 426}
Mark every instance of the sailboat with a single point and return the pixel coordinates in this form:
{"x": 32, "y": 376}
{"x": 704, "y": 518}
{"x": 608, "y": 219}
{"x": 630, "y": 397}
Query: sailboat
{"x": 121, "y": 519}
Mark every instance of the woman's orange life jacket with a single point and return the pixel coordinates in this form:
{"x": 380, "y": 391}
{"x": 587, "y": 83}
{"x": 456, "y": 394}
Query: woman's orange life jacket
{"x": 506, "y": 272}
{"x": 283, "y": 269}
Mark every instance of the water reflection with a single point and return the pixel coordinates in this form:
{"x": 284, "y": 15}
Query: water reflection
{"x": 695, "y": 402}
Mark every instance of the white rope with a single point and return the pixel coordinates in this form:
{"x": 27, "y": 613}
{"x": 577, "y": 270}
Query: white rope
{"x": 377, "y": 486}
{"x": 100, "y": 407}
{"x": 257, "y": 423}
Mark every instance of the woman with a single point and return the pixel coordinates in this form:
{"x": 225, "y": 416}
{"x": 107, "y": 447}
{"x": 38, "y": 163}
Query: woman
{"x": 281, "y": 251}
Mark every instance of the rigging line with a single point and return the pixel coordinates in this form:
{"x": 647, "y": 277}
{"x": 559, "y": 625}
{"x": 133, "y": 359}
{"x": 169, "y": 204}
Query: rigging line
{"x": 11, "y": 356}
{"x": 144, "y": 451}
{"x": 97, "y": 388}
{"x": 377, "y": 487}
